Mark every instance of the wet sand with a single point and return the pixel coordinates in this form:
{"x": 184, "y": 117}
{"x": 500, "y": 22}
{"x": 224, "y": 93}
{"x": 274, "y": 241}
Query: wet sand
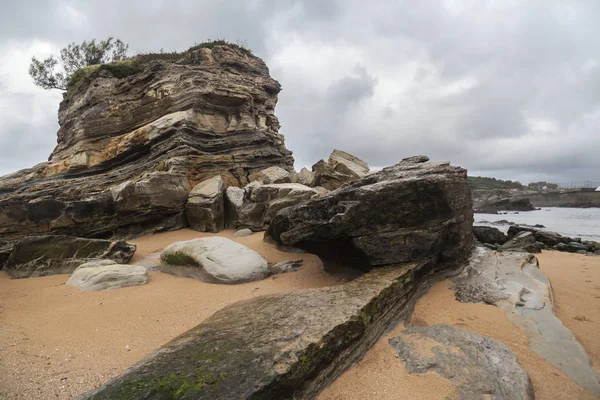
{"x": 57, "y": 342}
{"x": 576, "y": 283}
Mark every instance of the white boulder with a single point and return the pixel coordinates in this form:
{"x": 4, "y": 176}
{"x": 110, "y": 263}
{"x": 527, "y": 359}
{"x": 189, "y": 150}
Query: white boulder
{"x": 214, "y": 260}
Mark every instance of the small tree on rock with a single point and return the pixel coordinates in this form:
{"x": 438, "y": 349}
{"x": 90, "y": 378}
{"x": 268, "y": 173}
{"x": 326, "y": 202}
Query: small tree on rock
{"x": 55, "y": 72}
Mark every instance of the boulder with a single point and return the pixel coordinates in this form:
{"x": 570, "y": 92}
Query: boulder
{"x": 340, "y": 168}
{"x": 411, "y": 211}
{"x": 205, "y": 206}
{"x": 486, "y": 234}
{"x": 271, "y": 175}
{"x": 214, "y": 260}
{"x": 522, "y": 242}
{"x": 478, "y": 367}
{"x": 243, "y": 233}
{"x": 234, "y": 200}
{"x": 184, "y": 117}
{"x": 107, "y": 275}
{"x": 262, "y": 202}
{"x": 304, "y": 177}
{"x": 50, "y": 255}
{"x": 550, "y": 238}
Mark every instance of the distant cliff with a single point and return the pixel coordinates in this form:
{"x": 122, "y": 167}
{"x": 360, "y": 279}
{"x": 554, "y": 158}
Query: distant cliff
{"x": 136, "y": 135}
{"x": 576, "y": 199}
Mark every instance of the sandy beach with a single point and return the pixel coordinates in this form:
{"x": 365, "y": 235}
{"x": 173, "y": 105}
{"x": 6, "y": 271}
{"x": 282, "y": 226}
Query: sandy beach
{"x": 58, "y": 342}
{"x": 576, "y": 283}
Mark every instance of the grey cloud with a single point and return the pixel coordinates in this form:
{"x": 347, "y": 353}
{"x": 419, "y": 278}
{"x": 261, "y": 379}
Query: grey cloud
{"x": 529, "y": 61}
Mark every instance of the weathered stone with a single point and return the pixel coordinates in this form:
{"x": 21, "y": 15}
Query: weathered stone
{"x": 280, "y": 346}
{"x": 403, "y": 213}
{"x": 214, "y": 260}
{"x": 50, "y": 255}
{"x": 304, "y": 177}
{"x": 415, "y": 160}
{"x": 340, "y": 168}
{"x": 262, "y": 202}
{"x": 551, "y": 238}
{"x": 486, "y": 234}
{"x": 271, "y": 175}
{"x": 210, "y": 112}
{"x": 514, "y": 282}
{"x": 205, "y": 206}
{"x": 286, "y": 266}
{"x": 243, "y": 233}
{"x": 104, "y": 276}
{"x": 523, "y": 242}
{"x": 478, "y": 367}
{"x": 234, "y": 200}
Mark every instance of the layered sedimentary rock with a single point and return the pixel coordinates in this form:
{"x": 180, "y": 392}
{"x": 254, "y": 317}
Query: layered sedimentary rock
{"x": 281, "y": 346}
{"x": 106, "y": 275}
{"x": 130, "y": 148}
{"x": 340, "y": 168}
{"x": 50, "y": 255}
{"x": 506, "y": 205}
{"x": 411, "y": 211}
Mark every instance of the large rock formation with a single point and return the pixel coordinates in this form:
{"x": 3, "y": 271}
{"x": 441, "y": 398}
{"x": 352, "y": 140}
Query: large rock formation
{"x": 135, "y": 136}
{"x": 411, "y": 211}
{"x": 522, "y": 204}
{"x": 280, "y": 346}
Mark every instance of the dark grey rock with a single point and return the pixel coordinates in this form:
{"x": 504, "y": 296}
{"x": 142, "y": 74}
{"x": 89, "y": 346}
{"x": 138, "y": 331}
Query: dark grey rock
{"x": 403, "y": 213}
{"x": 477, "y": 366}
{"x": 51, "y": 255}
{"x": 523, "y": 242}
{"x": 522, "y": 204}
{"x": 487, "y": 234}
{"x": 491, "y": 246}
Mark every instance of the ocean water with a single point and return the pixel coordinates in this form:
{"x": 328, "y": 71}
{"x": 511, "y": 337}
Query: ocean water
{"x": 572, "y": 222}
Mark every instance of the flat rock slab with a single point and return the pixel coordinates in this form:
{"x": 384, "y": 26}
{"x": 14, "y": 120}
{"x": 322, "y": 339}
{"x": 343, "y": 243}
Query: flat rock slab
{"x": 514, "y": 282}
{"x": 90, "y": 277}
{"x": 50, "y": 255}
{"x": 477, "y": 366}
{"x": 214, "y": 260}
{"x": 281, "y": 346}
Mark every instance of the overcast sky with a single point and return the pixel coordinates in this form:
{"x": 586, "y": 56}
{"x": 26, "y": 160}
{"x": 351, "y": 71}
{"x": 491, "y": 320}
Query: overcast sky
{"x": 506, "y": 88}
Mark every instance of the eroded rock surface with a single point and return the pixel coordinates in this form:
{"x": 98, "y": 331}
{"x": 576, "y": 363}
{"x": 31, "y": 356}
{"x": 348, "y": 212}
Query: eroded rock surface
{"x": 214, "y": 260}
{"x": 51, "y": 255}
{"x": 514, "y": 282}
{"x": 477, "y": 366}
{"x": 488, "y": 234}
{"x": 205, "y": 206}
{"x": 340, "y": 168}
{"x": 522, "y": 204}
{"x": 411, "y": 211}
{"x": 107, "y": 275}
{"x": 209, "y": 113}
{"x": 281, "y": 346}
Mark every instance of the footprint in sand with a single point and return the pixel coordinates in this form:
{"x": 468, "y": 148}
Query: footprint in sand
{"x": 582, "y": 318}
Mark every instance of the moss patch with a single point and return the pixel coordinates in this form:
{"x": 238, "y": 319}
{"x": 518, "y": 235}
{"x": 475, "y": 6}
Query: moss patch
{"x": 180, "y": 259}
